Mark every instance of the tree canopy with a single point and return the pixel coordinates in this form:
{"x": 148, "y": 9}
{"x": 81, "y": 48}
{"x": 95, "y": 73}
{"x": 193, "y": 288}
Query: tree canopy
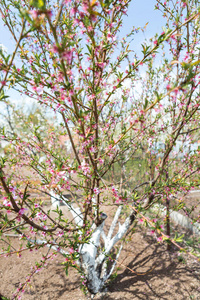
{"x": 130, "y": 122}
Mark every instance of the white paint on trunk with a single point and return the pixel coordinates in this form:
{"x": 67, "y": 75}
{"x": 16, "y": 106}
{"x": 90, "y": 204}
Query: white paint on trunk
{"x": 92, "y": 257}
{"x": 58, "y": 201}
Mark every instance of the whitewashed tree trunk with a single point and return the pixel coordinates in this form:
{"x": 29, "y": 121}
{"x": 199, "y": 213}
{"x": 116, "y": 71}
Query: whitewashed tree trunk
{"x": 93, "y": 257}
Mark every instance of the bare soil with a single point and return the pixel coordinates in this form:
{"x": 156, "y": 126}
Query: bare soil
{"x": 147, "y": 271}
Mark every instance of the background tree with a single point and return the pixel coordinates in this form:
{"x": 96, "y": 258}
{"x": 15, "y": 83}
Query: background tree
{"x": 68, "y": 58}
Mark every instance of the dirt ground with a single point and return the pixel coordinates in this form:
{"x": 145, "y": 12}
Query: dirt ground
{"x": 148, "y": 271}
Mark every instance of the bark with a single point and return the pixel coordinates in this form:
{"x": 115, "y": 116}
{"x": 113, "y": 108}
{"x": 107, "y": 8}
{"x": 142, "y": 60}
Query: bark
{"x": 93, "y": 257}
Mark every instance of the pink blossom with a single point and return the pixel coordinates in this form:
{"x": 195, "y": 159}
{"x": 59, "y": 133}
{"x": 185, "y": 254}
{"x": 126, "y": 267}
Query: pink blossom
{"x": 55, "y": 49}
{"x": 73, "y": 10}
{"x": 71, "y": 250}
{"x": 90, "y": 28}
{"x": 101, "y": 161}
{"x": 44, "y": 217}
{"x": 60, "y": 233}
{"x": 85, "y": 6}
{"x": 22, "y": 211}
{"x": 49, "y": 13}
{"x": 38, "y": 215}
{"x": 85, "y": 168}
{"x": 159, "y": 239}
{"x": 3, "y": 83}
{"x": 92, "y": 149}
{"x": 38, "y": 90}
{"x": 71, "y": 92}
{"x": 33, "y": 13}
{"x": 93, "y": 17}
{"x": 114, "y": 190}
{"x": 91, "y": 97}
{"x": 67, "y": 55}
{"x": 96, "y": 191}
{"x": 7, "y": 203}
{"x": 101, "y": 65}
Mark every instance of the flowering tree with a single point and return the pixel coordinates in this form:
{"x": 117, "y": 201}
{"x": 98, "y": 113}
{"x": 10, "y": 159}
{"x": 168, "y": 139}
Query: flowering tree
{"x": 129, "y": 118}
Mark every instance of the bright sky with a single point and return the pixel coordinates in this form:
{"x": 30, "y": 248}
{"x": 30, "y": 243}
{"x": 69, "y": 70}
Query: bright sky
{"x": 139, "y": 13}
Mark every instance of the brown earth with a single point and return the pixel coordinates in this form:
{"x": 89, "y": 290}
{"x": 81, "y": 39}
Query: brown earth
{"x": 148, "y": 271}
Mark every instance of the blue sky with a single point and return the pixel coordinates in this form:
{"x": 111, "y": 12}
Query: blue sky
{"x": 139, "y": 13}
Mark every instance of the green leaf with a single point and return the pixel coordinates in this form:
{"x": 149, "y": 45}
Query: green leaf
{"x": 166, "y": 239}
{"x": 3, "y": 96}
{"x": 179, "y": 239}
{"x": 66, "y": 270}
{"x": 181, "y": 259}
{"x": 38, "y": 3}
{"x": 146, "y": 103}
{"x": 4, "y": 298}
{"x": 185, "y": 65}
{"x": 145, "y": 49}
{"x": 196, "y": 63}
{"x": 107, "y": 3}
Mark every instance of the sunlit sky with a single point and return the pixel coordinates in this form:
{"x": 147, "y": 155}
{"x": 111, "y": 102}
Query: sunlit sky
{"x": 139, "y": 13}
